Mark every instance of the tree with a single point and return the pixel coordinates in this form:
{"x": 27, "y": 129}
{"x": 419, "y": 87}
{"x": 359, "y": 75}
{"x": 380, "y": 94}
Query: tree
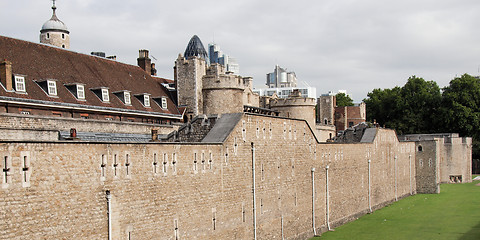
{"x": 409, "y": 109}
{"x": 460, "y": 110}
{"x": 343, "y": 100}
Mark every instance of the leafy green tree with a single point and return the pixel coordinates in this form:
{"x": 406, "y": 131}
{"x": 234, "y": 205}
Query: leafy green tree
{"x": 409, "y": 109}
{"x": 461, "y": 109}
{"x": 343, "y": 100}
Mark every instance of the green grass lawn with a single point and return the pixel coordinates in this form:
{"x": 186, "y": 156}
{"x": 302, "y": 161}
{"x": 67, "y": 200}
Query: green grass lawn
{"x": 452, "y": 214}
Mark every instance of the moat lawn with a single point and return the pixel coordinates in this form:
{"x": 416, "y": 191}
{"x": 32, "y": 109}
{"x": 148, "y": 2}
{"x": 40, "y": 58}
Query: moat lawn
{"x": 452, "y": 214}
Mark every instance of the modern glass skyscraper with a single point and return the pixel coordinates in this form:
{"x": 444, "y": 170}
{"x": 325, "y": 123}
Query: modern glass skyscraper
{"x": 217, "y": 56}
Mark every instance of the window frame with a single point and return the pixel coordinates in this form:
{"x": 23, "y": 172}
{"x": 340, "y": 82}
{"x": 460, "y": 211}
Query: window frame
{"x": 52, "y": 88}
{"x": 20, "y": 81}
{"x": 105, "y": 95}
{"x": 164, "y": 103}
{"x": 127, "y": 98}
{"x": 146, "y": 100}
{"x": 82, "y": 87}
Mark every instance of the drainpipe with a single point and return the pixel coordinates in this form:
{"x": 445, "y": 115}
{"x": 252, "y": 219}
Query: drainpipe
{"x": 282, "y": 227}
{"x": 396, "y": 195}
{"x": 109, "y": 213}
{"x": 254, "y": 197}
{"x": 410, "y": 170}
{"x": 313, "y": 202}
{"x": 327, "y": 198}
{"x": 369, "y": 187}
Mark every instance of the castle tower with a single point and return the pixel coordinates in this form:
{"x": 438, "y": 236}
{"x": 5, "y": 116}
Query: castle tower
{"x": 325, "y": 109}
{"x": 223, "y": 92}
{"x": 296, "y": 106}
{"x": 55, "y": 32}
{"x": 189, "y": 71}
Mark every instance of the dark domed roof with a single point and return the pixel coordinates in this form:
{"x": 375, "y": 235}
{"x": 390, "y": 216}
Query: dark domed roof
{"x": 195, "y": 49}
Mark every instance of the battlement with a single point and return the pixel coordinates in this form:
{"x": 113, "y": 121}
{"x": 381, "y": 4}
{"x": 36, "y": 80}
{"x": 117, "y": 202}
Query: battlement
{"x": 216, "y": 78}
{"x": 296, "y": 101}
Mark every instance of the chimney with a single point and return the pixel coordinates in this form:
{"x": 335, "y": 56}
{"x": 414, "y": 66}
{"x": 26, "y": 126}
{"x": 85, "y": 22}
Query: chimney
{"x": 6, "y": 74}
{"x": 154, "y": 134}
{"x": 144, "y": 61}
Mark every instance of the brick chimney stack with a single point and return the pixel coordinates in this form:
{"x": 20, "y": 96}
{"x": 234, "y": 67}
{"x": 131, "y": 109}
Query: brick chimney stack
{"x": 6, "y": 74}
{"x": 144, "y": 61}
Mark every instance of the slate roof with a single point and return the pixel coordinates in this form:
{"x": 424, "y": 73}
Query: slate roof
{"x": 42, "y": 62}
{"x": 223, "y": 127}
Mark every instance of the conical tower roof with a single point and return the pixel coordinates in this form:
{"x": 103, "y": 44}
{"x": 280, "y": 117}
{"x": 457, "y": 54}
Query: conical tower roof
{"x": 195, "y": 49}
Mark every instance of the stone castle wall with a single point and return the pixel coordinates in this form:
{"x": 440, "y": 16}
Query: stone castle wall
{"x": 456, "y": 160}
{"x": 325, "y": 110}
{"x": 57, "y": 190}
{"x": 188, "y": 79}
{"x": 427, "y": 164}
{"x": 21, "y": 127}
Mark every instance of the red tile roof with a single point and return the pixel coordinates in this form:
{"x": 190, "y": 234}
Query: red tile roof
{"x": 41, "y": 62}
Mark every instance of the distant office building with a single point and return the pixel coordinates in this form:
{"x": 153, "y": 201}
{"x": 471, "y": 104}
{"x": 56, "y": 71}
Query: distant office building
{"x": 217, "y": 56}
{"x": 281, "y": 78}
{"x": 306, "y": 92}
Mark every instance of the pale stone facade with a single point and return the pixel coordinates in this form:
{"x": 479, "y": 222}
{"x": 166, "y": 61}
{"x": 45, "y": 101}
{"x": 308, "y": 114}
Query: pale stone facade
{"x": 56, "y": 38}
{"x": 57, "y": 190}
{"x": 188, "y": 78}
{"x": 441, "y": 158}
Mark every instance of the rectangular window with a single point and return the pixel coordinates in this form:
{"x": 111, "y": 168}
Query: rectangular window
{"x": 164, "y": 102}
{"x": 126, "y": 98}
{"x": 146, "y": 100}
{"x": 105, "y": 96}
{"x": 165, "y": 163}
{"x": 19, "y": 84}
{"x": 52, "y": 88}
{"x": 80, "y": 92}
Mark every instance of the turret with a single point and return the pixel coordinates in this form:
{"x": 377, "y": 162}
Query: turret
{"x": 55, "y": 32}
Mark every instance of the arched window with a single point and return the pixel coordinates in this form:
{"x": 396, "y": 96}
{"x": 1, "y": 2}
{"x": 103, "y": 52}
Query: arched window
{"x": 420, "y": 148}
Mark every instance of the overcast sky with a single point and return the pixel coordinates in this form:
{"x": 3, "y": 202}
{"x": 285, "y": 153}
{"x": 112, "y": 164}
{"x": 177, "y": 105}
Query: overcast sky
{"x": 356, "y": 45}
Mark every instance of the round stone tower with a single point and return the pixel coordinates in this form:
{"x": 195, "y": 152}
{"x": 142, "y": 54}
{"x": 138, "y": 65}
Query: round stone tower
{"x": 296, "y": 106}
{"x": 222, "y": 92}
{"x": 55, "y": 32}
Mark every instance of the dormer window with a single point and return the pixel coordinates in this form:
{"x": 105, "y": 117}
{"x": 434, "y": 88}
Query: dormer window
{"x": 144, "y": 99}
{"x": 102, "y": 93}
{"x": 105, "y": 96}
{"x": 161, "y": 101}
{"x": 20, "y": 84}
{"x": 51, "y": 88}
{"x": 124, "y": 96}
{"x": 77, "y": 90}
